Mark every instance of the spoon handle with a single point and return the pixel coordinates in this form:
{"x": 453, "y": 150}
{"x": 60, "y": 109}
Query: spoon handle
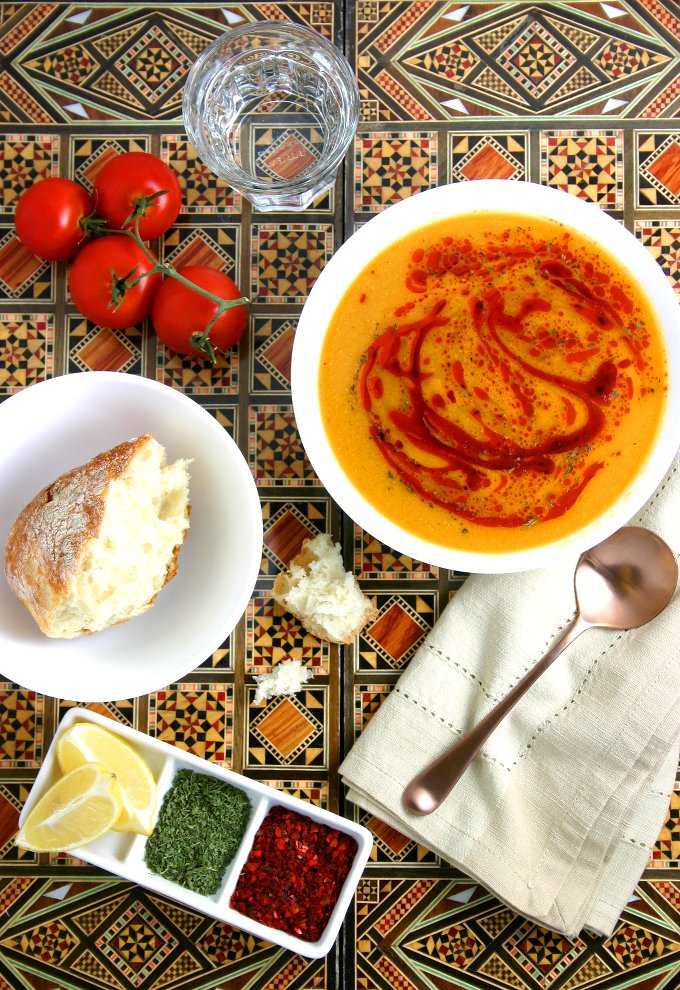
{"x": 429, "y": 788}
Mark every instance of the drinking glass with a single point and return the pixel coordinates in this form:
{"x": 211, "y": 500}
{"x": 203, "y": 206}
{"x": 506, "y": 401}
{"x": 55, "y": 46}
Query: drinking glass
{"x": 272, "y": 107}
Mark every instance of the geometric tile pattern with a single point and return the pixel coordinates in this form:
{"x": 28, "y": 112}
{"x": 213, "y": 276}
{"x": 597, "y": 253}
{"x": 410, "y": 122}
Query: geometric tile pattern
{"x": 661, "y": 104}
{"x": 587, "y": 164}
{"x": 202, "y": 191}
{"x": 135, "y": 944}
{"x": 25, "y": 159}
{"x": 221, "y": 659}
{"x": 289, "y": 731}
{"x": 368, "y": 698}
{"x": 390, "y": 846}
{"x": 272, "y": 350}
{"x": 306, "y": 790}
{"x": 194, "y": 716}
{"x": 275, "y": 452}
{"x": 24, "y": 275}
{"x": 662, "y": 239}
{"x": 426, "y": 63}
{"x": 288, "y": 259}
{"x": 658, "y": 157}
{"x": 454, "y": 946}
{"x": 402, "y": 622}
{"x": 93, "y": 348}
{"x": 581, "y": 96}
{"x": 13, "y": 793}
{"x": 666, "y": 852}
{"x": 22, "y": 721}
{"x": 482, "y": 156}
{"x": 193, "y": 377}
{"x": 414, "y": 929}
{"x": 273, "y": 635}
{"x": 392, "y": 167}
{"x": 287, "y": 523}
{"x": 211, "y": 245}
{"x": 88, "y": 155}
{"x": 635, "y": 945}
{"x": 226, "y": 416}
{"x": 113, "y": 934}
{"x": 27, "y": 350}
{"x": 274, "y": 145}
{"x": 377, "y": 562}
{"x": 536, "y": 59}
{"x": 544, "y": 955}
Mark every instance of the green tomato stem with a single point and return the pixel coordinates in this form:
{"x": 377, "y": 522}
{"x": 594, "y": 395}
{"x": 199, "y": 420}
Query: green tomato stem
{"x": 200, "y": 340}
{"x": 141, "y": 205}
{"x": 92, "y": 224}
{"x": 166, "y": 269}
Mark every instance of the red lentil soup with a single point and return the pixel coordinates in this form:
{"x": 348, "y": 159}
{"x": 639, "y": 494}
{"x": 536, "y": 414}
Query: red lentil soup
{"x": 492, "y": 382}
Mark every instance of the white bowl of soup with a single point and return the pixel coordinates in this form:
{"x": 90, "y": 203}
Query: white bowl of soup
{"x": 485, "y": 376}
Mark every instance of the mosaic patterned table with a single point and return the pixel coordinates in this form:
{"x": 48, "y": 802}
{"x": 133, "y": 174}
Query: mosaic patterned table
{"x": 580, "y": 96}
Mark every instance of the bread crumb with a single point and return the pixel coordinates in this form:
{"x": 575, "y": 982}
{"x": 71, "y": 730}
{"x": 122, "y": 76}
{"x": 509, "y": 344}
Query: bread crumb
{"x": 285, "y": 678}
{"x": 324, "y": 597}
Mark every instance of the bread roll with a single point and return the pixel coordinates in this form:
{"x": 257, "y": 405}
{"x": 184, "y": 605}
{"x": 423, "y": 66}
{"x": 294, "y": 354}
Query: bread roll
{"x": 96, "y": 546}
{"x": 325, "y": 598}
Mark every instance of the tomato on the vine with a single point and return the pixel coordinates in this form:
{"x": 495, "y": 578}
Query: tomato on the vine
{"x": 134, "y": 181}
{"x": 97, "y": 276}
{"x": 49, "y": 217}
{"x": 179, "y": 313}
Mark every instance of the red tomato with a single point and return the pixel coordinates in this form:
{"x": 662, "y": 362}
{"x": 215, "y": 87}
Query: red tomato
{"x": 138, "y": 178}
{"x": 95, "y": 276}
{"x": 178, "y": 312}
{"x": 48, "y": 218}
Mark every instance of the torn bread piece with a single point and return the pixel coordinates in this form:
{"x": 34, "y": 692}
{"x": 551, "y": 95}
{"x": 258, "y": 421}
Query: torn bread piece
{"x": 325, "y": 598}
{"x": 95, "y": 547}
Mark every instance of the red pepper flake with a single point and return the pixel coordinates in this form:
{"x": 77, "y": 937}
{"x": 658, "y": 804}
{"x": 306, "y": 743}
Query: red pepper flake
{"x": 294, "y": 874}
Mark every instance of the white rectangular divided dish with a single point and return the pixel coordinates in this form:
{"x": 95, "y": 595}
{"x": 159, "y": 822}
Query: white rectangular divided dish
{"x": 123, "y": 853}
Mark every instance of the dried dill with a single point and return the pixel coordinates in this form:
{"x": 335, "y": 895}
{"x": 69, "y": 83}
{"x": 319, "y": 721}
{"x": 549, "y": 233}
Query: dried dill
{"x": 199, "y": 829}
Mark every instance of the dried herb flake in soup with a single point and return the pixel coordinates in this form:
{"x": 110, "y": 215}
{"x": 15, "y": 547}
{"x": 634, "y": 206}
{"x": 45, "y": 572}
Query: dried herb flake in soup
{"x": 200, "y": 827}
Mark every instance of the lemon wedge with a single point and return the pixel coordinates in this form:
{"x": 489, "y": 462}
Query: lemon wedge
{"x": 76, "y": 810}
{"x": 85, "y": 742}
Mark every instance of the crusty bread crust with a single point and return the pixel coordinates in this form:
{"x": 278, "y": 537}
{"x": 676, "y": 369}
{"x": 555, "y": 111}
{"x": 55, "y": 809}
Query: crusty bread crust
{"x": 48, "y": 538}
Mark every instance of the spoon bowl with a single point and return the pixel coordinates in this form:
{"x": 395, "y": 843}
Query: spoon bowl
{"x": 622, "y": 583}
{"x": 626, "y": 580}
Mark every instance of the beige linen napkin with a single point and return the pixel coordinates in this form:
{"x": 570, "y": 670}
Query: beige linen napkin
{"x": 559, "y": 813}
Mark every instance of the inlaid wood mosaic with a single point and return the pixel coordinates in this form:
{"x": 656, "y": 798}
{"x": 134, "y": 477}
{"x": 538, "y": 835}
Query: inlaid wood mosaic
{"x": 577, "y": 95}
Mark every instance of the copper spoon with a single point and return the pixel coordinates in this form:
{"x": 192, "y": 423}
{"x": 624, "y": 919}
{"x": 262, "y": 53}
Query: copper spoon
{"x": 622, "y": 583}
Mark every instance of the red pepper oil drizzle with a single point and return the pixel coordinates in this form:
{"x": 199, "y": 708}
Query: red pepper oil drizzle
{"x": 294, "y": 873}
{"x": 449, "y": 441}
